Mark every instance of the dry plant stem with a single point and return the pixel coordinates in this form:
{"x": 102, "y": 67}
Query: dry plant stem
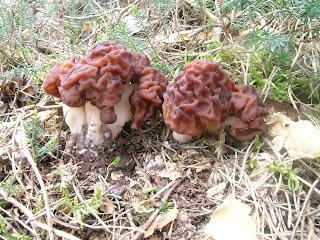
{"x": 40, "y": 180}
{"x": 316, "y": 190}
{"x": 304, "y": 206}
{"x": 290, "y": 92}
{"x": 30, "y": 215}
{"x": 42, "y": 108}
{"x": 156, "y": 212}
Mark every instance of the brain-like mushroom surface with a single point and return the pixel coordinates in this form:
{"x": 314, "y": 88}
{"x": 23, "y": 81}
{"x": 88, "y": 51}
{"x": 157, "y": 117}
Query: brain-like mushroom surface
{"x": 105, "y": 78}
{"x": 249, "y": 109}
{"x": 148, "y": 95}
{"x": 204, "y": 97}
{"x": 99, "y": 77}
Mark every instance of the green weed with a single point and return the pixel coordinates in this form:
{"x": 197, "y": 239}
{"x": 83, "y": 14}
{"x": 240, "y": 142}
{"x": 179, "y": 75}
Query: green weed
{"x": 79, "y": 210}
{"x": 115, "y": 162}
{"x": 165, "y": 207}
{"x": 288, "y": 174}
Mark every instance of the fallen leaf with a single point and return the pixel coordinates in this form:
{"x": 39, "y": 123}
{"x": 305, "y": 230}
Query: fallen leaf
{"x": 232, "y": 221}
{"x": 171, "y": 171}
{"x": 45, "y": 114}
{"x": 116, "y": 176}
{"x": 106, "y": 206}
{"x": 161, "y": 221}
{"x": 301, "y": 139}
{"x": 203, "y": 167}
{"x": 186, "y": 35}
{"x": 216, "y": 189}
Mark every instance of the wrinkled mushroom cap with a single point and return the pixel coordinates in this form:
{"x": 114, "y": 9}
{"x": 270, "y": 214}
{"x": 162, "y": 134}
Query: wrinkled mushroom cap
{"x": 97, "y": 77}
{"x": 148, "y": 95}
{"x": 250, "y": 110}
{"x": 204, "y": 97}
{"x": 197, "y": 98}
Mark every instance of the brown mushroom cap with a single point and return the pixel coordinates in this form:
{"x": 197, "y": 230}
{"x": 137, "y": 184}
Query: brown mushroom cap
{"x": 197, "y": 98}
{"x": 140, "y": 62}
{"x": 247, "y": 105}
{"x": 148, "y": 95}
{"x": 203, "y": 96}
{"x": 58, "y": 72}
{"x": 98, "y": 77}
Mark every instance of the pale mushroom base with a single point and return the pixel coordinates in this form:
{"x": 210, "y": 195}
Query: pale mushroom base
{"x": 85, "y": 124}
{"x": 212, "y": 131}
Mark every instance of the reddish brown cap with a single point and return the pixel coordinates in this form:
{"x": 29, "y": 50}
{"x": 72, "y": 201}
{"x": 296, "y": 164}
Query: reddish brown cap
{"x": 197, "y": 98}
{"x": 148, "y": 95}
{"x": 203, "y": 96}
{"x": 97, "y": 77}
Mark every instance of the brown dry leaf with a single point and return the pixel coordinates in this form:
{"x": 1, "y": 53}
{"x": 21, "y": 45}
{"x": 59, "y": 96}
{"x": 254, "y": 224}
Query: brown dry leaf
{"x": 171, "y": 171}
{"x": 216, "y": 189}
{"x": 301, "y": 138}
{"x": 161, "y": 221}
{"x": 116, "y": 176}
{"x": 232, "y": 221}
{"x": 106, "y": 206}
{"x": 203, "y": 167}
{"x": 183, "y": 35}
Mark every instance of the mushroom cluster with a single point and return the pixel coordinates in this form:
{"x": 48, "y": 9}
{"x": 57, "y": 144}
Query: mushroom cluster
{"x": 102, "y": 89}
{"x": 203, "y": 97}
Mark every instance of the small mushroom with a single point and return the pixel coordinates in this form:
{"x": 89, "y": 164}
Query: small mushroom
{"x": 203, "y": 97}
{"x": 148, "y": 94}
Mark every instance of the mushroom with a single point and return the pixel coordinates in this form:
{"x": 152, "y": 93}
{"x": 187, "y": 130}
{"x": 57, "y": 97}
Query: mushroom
{"x": 148, "y": 94}
{"x": 203, "y": 97}
{"x": 97, "y": 90}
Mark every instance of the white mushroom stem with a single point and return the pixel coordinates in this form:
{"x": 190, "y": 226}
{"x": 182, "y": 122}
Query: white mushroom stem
{"x": 181, "y": 138}
{"x": 75, "y": 118}
{"x": 123, "y": 111}
{"x": 94, "y": 125}
{"x": 85, "y": 122}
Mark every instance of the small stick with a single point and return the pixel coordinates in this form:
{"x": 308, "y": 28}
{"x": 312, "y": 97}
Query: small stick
{"x": 156, "y": 212}
{"x": 42, "y": 108}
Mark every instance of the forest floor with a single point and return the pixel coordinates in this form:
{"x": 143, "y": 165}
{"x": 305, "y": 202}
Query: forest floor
{"x": 159, "y": 189}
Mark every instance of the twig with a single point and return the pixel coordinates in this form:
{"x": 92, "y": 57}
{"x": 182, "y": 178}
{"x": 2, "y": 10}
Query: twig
{"x": 304, "y": 206}
{"x": 30, "y": 215}
{"x": 42, "y": 108}
{"x": 156, "y": 212}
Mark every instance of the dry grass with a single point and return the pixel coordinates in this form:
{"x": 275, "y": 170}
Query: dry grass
{"x": 66, "y": 195}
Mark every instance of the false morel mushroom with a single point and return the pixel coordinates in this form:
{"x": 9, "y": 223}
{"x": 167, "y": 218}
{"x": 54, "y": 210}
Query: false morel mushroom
{"x": 203, "y": 97}
{"x": 97, "y": 88}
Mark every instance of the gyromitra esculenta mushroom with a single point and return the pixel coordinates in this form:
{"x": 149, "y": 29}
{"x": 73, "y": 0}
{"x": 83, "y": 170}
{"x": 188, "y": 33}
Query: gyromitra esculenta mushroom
{"x": 203, "y": 97}
{"x": 102, "y": 89}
